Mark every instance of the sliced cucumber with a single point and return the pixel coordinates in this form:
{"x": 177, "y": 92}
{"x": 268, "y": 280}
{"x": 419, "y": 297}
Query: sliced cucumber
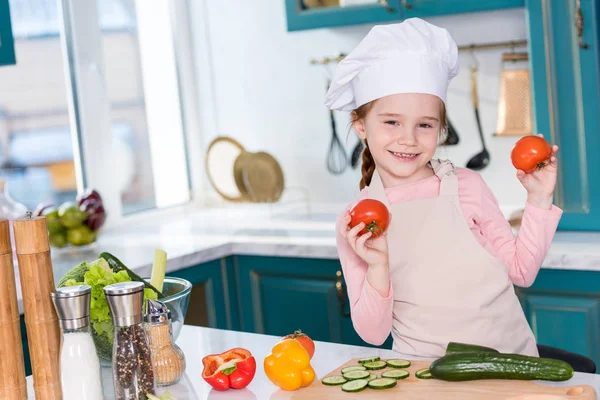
{"x": 396, "y": 374}
{"x": 371, "y": 377}
{"x": 355, "y": 386}
{"x": 423, "y": 374}
{"x": 352, "y": 375}
{"x": 375, "y": 365}
{"x": 397, "y": 363}
{"x": 368, "y": 359}
{"x": 353, "y": 368}
{"x": 382, "y": 383}
{"x": 334, "y": 380}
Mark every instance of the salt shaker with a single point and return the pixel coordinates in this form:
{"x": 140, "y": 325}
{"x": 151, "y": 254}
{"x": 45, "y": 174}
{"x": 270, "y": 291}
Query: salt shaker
{"x": 80, "y": 374}
{"x": 133, "y": 374}
{"x": 167, "y": 358}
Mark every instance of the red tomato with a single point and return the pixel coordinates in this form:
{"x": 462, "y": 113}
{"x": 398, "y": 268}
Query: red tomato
{"x": 304, "y": 340}
{"x": 373, "y": 213}
{"x": 530, "y": 153}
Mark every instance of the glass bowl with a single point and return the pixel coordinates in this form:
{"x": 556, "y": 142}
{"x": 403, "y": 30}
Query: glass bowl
{"x": 177, "y": 298}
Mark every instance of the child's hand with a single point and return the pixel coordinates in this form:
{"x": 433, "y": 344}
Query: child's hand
{"x": 373, "y": 251}
{"x": 541, "y": 182}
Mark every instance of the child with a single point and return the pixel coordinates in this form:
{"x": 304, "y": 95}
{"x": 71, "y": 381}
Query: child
{"x": 445, "y": 269}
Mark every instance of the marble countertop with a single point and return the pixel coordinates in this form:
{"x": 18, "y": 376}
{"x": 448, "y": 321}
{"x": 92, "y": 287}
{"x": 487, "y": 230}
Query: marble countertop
{"x": 290, "y": 230}
{"x": 197, "y": 342}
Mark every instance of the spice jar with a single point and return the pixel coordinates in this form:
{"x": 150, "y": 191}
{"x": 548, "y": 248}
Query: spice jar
{"x": 167, "y": 358}
{"x": 133, "y": 374}
{"x": 80, "y": 373}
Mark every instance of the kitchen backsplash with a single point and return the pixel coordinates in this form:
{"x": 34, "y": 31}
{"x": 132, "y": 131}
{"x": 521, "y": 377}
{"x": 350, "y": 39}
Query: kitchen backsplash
{"x": 256, "y": 84}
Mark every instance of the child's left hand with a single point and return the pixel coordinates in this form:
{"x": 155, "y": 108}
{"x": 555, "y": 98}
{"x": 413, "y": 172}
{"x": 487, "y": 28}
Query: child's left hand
{"x": 540, "y": 183}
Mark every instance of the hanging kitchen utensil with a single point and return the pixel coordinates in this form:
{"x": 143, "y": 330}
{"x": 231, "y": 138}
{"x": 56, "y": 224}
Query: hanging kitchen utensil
{"x": 514, "y": 106}
{"x": 452, "y": 138}
{"x": 219, "y": 165}
{"x": 337, "y": 161}
{"x": 481, "y": 159}
{"x": 356, "y": 154}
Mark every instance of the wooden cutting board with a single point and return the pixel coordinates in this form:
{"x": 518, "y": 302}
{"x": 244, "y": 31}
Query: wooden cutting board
{"x": 413, "y": 388}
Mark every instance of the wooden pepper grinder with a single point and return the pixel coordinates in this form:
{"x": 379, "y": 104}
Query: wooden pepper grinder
{"x": 12, "y": 366}
{"x": 37, "y": 283}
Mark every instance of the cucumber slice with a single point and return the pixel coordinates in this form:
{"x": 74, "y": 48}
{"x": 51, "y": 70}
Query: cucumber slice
{"x": 353, "y": 368}
{"x": 334, "y": 380}
{"x": 397, "y": 363}
{"x": 382, "y": 383}
{"x": 423, "y": 374}
{"x": 371, "y": 377}
{"x": 375, "y": 365}
{"x": 355, "y": 386}
{"x": 368, "y": 359}
{"x": 352, "y": 375}
{"x": 395, "y": 374}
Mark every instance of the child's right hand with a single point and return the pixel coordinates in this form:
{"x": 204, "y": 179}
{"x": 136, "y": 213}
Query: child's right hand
{"x": 373, "y": 251}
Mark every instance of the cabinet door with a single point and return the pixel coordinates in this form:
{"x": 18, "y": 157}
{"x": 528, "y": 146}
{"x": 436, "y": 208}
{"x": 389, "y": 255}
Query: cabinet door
{"x": 280, "y": 295}
{"x": 7, "y": 48}
{"x": 211, "y": 301}
{"x": 426, "y": 8}
{"x": 565, "y": 82}
{"x": 299, "y": 17}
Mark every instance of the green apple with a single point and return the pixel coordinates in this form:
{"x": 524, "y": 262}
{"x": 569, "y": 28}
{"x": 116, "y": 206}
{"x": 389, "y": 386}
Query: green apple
{"x": 71, "y": 215}
{"x": 58, "y": 239}
{"x": 80, "y": 236}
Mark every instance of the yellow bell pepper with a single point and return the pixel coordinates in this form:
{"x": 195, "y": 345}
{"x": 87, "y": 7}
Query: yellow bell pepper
{"x": 288, "y": 365}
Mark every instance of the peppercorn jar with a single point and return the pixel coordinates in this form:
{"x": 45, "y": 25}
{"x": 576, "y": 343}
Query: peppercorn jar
{"x": 133, "y": 374}
{"x": 167, "y": 358}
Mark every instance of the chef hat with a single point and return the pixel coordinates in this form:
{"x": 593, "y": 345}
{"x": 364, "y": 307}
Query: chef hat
{"x": 409, "y": 57}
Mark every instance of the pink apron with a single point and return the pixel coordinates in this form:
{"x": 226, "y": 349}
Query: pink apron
{"x": 447, "y": 287}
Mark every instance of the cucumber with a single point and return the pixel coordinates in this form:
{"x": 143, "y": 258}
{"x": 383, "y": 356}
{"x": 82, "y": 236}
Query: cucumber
{"x": 456, "y": 347}
{"x": 334, "y": 380}
{"x": 424, "y": 374}
{"x": 353, "y": 375}
{"x": 116, "y": 265}
{"x": 382, "y": 383}
{"x": 471, "y": 366}
{"x": 396, "y": 374}
{"x": 375, "y": 365}
{"x": 371, "y": 377}
{"x": 355, "y": 386}
{"x": 368, "y": 359}
{"x": 353, "y": 368}
{"x": 397, "y": 363}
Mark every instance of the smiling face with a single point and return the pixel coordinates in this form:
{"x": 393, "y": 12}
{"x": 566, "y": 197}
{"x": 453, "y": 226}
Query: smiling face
{"x": 402, "y": 131}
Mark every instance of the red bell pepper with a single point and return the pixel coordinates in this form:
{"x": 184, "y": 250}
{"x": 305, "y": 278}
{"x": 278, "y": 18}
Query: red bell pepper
{"x": 234, "y": 368}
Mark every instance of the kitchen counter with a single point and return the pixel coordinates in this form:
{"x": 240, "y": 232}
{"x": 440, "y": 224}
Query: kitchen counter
{"x": 289, "y": 230}
{"x": 197, "y": 342}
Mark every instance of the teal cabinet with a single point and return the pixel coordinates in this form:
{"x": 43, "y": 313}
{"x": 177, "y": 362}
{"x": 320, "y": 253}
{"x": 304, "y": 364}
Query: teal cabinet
{"x": 565, "y": 69}
{"x": 281, "y": 295}
{"x": 563, "y": 310}
{"x": 7, "y": 46}
{"x": 384, "y": 11}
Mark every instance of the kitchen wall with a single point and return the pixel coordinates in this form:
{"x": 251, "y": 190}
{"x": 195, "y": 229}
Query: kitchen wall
{"x": 256, "y": 85}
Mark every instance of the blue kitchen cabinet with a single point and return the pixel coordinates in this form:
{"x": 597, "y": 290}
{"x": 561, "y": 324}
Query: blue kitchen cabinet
{"x": 565, "y": 70}
{"x": 7, "y": 46}
{"x": 385, "y": 11}
{"x": 279, "y": 295}
{"x": 563, "y": 310}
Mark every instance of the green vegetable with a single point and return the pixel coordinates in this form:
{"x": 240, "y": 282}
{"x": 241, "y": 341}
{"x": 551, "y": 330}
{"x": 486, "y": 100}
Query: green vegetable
{"x": 355, "y": 386}
{"x": 382, "y": 383}
{"x": 351, "y": 375}
{"x": 371, "y": 377}
{"x": 368, "y": 359}
{"x": 396, "y": 374}
{"x": 397, "y": 363}
{"x": 353, "y": 368}
{"x": 116, "y": 265}
{"x": 456, "y": 347}
{"x": 424, "y": 374}
{"x": 159, "y": 269}
{"x": 375, "y": 365}
{"x": 334, "y": 380}
{"x": 471, "y": 366}
{"x": 164, "y": 396}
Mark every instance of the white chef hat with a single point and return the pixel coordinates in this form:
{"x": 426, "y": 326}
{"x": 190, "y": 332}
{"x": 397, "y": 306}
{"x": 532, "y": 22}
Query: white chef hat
{"x": 413, "y": 56}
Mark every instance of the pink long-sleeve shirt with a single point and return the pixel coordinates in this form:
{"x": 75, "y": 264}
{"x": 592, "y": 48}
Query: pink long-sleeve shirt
{"x": 523, "y": 254}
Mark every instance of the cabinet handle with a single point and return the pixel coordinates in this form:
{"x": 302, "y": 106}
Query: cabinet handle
{"x": 406, "y": 6}
{"x": 341, "y": 295}
{"x": 386, "y": 5}
{"x": 579, "y": 25}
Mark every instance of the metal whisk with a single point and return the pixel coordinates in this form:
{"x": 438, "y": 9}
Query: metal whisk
{"x": 337, "y": 160}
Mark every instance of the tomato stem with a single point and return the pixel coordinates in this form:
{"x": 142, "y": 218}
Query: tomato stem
{"x": 374, "y": 228}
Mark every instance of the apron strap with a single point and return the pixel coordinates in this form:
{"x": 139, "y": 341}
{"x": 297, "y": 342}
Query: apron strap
{"x": 446, "y": 172}
{"x": 376, "y": 190}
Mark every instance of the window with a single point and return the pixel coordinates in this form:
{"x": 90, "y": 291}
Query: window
{"x": 94, "y": 101}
